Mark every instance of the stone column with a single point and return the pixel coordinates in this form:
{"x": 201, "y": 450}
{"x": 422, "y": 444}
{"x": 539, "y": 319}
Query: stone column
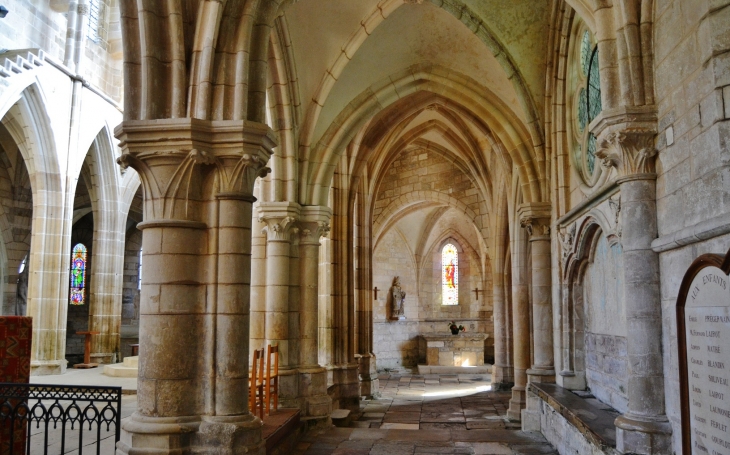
{"x": 312, "y": 376}
{"x": 198, "y": 180}
{"x": 501, "y": 371}
{"x": 626, "y": 142}
{"x": 258, "y": 284}
{"x": 521, "y": 331}
{"x": 280, "y": 219}
{"x": 535, "y": 218}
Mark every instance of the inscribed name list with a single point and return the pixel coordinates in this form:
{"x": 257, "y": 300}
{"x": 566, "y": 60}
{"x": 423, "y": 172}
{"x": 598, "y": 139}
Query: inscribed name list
{"x": 707, "y": 322}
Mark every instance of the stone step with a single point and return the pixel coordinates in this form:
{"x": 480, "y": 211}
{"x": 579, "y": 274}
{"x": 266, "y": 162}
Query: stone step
{"x": 127, "y": 369}
{"x": 440, "y": 369}
{"x": 341, "y": 418}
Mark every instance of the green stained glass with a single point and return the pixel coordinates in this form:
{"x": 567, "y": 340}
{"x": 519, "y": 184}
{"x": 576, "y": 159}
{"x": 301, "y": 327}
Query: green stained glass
{"x": 78, "y": 274}
{"x": 585, "y": 52}
{"x": 594, "y": 88}
{"x": 591, "y": 153}
{"x": 582, "y": 110}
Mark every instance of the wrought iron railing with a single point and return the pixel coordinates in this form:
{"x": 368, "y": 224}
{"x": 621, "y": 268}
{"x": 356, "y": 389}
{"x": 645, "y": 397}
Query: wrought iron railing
{"x": 51, "y": 417}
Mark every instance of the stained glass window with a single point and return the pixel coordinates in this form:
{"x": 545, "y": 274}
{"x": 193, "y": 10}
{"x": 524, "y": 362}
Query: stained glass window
{"x": 588, "y": 104}
{"x": 585, "y": 52}
{"x": 78, "y": 275}
{"x": 95, "y": 26}
{"x": 450, "y": 275}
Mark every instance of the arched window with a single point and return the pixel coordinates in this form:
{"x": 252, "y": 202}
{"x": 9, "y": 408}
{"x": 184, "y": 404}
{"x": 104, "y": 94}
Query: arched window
{"x": 96, "y": 32}
{"x": 78, "y": 275}
{"x": 588, "y": 104}
{"x": 450, "y": 275}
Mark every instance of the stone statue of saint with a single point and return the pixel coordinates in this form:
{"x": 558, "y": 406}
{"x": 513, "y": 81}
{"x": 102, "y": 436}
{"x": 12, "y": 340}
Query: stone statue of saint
{"x": 21, "y": 293}
{"x": 399, "y": 297}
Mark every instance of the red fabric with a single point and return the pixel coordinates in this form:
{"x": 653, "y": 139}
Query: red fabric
{"x": 15, "y": 342}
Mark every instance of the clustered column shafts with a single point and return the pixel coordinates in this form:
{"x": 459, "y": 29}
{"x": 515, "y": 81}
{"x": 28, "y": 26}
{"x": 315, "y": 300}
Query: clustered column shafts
{"x": 194, "y": 307}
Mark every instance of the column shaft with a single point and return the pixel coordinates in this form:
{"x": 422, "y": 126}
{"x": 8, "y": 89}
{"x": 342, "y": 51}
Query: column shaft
{"x": 542, "y": 316}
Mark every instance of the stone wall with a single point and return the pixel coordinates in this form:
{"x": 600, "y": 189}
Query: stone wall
{"x": 563, "y": 435}
{"x": 693, "y": 96}
{"x": 43, "y": 25}
{"x": 605, "y": 320}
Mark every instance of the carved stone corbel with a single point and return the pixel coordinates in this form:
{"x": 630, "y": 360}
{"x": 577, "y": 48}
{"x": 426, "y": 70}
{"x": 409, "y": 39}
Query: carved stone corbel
{"x": 566, "y": 238}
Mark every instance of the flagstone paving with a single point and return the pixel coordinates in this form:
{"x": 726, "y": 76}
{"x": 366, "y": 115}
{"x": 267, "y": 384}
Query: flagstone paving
{"x": 430, "y": 414}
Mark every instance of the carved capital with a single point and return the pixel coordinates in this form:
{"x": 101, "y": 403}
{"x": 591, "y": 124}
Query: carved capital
{"x": 174, "y": 156}
{"x": 312, "y": 231}
{"x": 631, "y": 151}
{"x": 315, "y": 223}
{"x": 279, "y": 228}
{"x": 281, "y": 220}
{"x": 535, "y": 218}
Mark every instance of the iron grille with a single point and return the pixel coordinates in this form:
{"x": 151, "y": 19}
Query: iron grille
{"x": 58, "y": 414}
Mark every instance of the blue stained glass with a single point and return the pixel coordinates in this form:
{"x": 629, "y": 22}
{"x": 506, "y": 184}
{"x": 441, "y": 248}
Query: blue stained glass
{"x": 78, "y": 275}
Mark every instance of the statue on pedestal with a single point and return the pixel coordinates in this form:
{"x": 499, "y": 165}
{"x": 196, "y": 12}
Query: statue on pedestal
{"x": 399, "y": 296}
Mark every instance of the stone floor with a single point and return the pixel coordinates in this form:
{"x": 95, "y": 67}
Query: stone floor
{"x": 429, "y": 414}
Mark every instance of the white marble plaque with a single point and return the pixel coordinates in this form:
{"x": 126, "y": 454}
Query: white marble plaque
{"x": 707, "y": 328}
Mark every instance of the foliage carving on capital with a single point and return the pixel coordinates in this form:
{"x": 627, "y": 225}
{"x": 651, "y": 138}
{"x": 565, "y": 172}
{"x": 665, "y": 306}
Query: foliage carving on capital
{"x": 313, "y": 231}
{"x": 279, "y": 228}
{"x": 535, "y": 227}
{"x": 630, "y": 151}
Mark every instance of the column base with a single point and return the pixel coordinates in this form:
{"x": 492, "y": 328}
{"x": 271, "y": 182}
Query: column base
{"x": 502, "y": 377}
{"x": 571, "y": 380}
{"x": 345, "y": 390}
{"x": 516, "y": 404}
{"x": 636, "y": 435}
{"x": 47, "y": 367}
{"x": 531, "y": 413}
{"x": 235, "y": 435}
{"x": 368, "y": 375}
{"x": 313, "y": 392}
{"x": 540, "y": 375}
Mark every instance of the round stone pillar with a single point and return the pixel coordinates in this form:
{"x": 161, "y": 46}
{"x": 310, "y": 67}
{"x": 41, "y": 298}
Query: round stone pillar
{"x": 281, "y": 223}
{"x": 198, "y": 180}
{"x": 629, "y": 147}
{"x": 521, "y": 331}
{"x": 312, "y": 376}
{"x": 535, "y": 218}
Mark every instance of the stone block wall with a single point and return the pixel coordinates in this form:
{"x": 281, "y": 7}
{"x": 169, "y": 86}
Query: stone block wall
{"x": 43, "y": 25}
{"x": 692, "y": 80}
{"x": 130, "y": 289}
{"x": 607, "y": 369}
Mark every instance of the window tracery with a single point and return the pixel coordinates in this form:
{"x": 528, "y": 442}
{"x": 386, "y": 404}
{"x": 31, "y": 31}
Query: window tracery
{"x": 587, "y": 106}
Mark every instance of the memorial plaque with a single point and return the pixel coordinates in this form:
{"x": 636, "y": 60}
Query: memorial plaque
{"x": 703, "y": 326}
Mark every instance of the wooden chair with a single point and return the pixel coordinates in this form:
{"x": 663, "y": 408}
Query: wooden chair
{"x": 256, "y": 384}
{"x": 272, "y": 380}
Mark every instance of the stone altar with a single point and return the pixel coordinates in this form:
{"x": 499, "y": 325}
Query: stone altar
{"x": 462, "y": 350}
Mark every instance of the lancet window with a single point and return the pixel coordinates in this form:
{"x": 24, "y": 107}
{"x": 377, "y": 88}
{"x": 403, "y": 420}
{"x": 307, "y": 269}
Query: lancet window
{"x": 450, "y": 275}
{"x": 78, "y": 275}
